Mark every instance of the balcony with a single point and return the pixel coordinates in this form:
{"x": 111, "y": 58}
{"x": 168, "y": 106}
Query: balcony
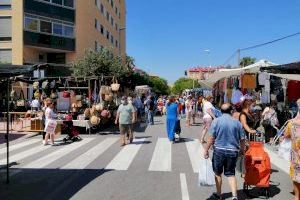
{"x": 48, "y": 41}
{"x": 48, "y": 10}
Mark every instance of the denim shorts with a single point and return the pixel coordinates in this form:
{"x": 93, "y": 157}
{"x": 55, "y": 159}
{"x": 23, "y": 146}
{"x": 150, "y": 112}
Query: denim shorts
{"x": 224, "y": 160}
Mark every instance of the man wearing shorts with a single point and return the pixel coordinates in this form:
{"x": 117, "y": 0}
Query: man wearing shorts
{"x": 125, "y": 117}
{"x": 228, "y": 137}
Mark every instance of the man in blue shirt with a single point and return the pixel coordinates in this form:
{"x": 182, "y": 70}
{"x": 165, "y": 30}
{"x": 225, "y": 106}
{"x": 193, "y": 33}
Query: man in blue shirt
{"x": 228, "y": 137}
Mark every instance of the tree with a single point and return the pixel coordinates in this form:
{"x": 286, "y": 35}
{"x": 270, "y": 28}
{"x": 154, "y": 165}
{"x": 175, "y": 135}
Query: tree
{"x": 247, "y": 61}
{"x": 129, "y": 62}
{"x": 184, "y": 83}
{"x": 100, "y": 63}
{"x": 159, "y": 85}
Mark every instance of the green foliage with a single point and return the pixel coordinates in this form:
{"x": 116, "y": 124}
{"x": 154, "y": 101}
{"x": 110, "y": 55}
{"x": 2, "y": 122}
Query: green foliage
{"x": 245, "y": 61}
{"x": 159, "y": 86}
{"x": 100, "y": 63}
{"x": 184, "y": 83}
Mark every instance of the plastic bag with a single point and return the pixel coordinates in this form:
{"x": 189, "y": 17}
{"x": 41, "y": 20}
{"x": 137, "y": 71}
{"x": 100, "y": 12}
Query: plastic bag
{"x": 284, "y": 150}
{"x": 206, "y": 174}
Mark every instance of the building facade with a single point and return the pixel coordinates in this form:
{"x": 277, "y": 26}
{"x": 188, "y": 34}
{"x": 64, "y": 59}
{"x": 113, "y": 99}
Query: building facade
{"x": 60, "y": 31}
{"x": 201, "y": 73}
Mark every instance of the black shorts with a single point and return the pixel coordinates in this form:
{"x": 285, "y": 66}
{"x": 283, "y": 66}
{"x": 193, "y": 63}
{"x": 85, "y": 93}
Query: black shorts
{"x": 224, "y": 160}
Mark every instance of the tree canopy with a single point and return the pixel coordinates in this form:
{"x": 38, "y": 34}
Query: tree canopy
{"x": 100, "y": 63}
{"x": 159, "y": 85}
{"x": 184, "y": 83}
{"x": 245, "y": 61}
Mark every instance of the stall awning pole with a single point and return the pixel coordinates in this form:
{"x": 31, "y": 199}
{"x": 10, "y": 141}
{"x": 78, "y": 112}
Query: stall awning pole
{"x": 7, "y": 131}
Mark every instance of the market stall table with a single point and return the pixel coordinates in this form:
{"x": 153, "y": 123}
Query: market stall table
{"x": 79, "y": 123}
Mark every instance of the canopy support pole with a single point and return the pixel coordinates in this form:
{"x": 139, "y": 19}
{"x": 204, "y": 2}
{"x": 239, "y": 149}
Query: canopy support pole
{"x": 7, "y": 132}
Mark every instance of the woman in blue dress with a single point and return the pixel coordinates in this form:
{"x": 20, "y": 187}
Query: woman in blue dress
{"x": 172, "y": 117}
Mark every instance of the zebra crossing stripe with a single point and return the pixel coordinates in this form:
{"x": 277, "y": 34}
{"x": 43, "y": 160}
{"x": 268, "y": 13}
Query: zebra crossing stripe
{"x": 161, "y": 159}
{"x": 88, "y": 157}
{"x": 19, "y": 145}
{"x": 24, "y": 154}
{"x": 51, "y": 157}
{"x": 195, "y": 151}
{"x": 125, "y": 157}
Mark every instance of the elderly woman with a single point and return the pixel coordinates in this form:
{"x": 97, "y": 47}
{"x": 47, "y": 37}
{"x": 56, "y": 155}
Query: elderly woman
{"x": 293, "y": 132}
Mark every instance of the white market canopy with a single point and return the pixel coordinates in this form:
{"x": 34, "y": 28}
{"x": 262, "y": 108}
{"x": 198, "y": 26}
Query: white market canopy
{"x": 254, "y": 68}
{"x": 294, "y": 77}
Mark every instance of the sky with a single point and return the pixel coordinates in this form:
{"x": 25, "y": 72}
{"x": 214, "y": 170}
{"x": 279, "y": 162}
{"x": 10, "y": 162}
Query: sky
{"x": 167, "y": 37}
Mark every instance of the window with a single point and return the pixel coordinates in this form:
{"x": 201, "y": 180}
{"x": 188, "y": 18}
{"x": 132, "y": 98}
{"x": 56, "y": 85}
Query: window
{"x": 112, "y": 21}
{"x": 5, "y": 7}
{"x": 96, "y": 24}
{"x": 68, "y": 31}
{"x": 102, "y": 29}
{"x": 107, "y": 34}
{"x": 102, "y": 8}
{"x": 5, "y": 28}
{"x": 96, "y": 46}
{"x": 112, "y": 39}
{"x": 116, "y": 43}
{"x": 57, "y": 29}
{"x": 116, "y": 11}
{"x": 107, "y": 15}
{"x": 112, "y": 3}
{"x": 31, "y": 24}
{"x": 46, "y": 27}
{"x": 5, "y": 55}
{"x": 59, "y": 2}
{"x": 69, "y": 3}
{"x": 116, "y": 25}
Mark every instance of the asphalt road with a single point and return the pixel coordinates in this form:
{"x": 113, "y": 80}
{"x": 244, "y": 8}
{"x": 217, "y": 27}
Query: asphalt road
{"x": 98, "y": 168}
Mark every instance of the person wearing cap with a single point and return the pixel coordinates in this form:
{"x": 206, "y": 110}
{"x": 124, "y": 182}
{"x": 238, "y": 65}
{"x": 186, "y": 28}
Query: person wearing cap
{"x": 125, "y": 118}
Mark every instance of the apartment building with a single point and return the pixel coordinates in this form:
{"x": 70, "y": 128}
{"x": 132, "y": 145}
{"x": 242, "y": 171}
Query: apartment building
{"x": 201, "y": 73}
{"x": 59, "y": 31}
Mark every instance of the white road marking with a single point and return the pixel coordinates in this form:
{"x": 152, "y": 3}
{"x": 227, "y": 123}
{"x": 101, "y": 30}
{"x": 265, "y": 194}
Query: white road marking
{"x": 124, "y": 158}
{"x": 20, "y": 145}
{"x": 88, "y": 157}
{"x": 282, "y": 164}
{"x": 162, "y": 158}
{"x": 184, "y": 187}
{"x": 24, "y": 154}
{"x": 51, "y": 157}
{"x": 195, "y": 150}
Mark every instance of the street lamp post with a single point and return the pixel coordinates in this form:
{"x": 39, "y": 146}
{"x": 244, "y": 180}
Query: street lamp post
{"x": 209, "y": 57}
{"x": 120, "y": 29}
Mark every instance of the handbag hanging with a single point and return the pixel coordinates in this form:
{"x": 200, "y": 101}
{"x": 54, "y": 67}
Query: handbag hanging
{"x": 21, "y": 101}
{"x": 45, "y": 85}
{"x": 66, "y": 92}
{"x": 35, "y": 85}
{"x": 115, "y": 86}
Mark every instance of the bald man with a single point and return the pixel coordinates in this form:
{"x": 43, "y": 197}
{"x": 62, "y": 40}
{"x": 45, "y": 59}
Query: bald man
{"x": 227, "y": 135}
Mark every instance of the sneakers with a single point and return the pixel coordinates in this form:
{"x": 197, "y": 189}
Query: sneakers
{"x": 214, "y": 196}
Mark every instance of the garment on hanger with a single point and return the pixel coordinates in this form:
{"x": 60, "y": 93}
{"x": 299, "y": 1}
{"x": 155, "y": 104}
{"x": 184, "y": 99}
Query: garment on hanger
{"x": 236, "y": 96}
{"x": 293, "y": 91}
{"x": 249, "y": 81}
{"x": 262, "y": 77}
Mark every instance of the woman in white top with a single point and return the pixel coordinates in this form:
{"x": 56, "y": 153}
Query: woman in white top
{"x": 208, "y": 116}
{"x": 49, "y": 115}
{"x": 189, "y": 110}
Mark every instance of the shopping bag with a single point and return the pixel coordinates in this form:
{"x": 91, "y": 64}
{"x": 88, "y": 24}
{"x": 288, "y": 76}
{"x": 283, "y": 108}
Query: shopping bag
{"x": 240, "y": 164}
{"x": 50, "y": 126}
{"x": 206, "y": 174}
{"x": 284, "y": 150}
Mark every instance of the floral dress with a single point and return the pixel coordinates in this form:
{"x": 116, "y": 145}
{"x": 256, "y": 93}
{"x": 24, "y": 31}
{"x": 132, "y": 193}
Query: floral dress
{"x": 293, "y": 131}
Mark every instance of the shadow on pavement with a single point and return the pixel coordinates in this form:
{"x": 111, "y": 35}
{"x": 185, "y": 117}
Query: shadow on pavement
{"x": 255, "y": 193}
{"x": 11, "y": 137}
{"x": 47, "y": 183}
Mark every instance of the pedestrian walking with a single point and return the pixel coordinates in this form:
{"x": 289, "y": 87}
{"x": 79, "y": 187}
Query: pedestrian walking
{"x": 208, "y": 116}
{"x": 227, "y": 136}
{"x": 293, "y": 132}
{"x": 125, "y": 118}
{"x": 172, "y": 117}
{"x": 189, "y": 110}
{"x": 150, "y": 105}
{"x": 49, "y": 115}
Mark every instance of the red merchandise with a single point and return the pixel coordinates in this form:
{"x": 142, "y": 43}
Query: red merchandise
{"x": 66, "y": 94}
{"x": 258, "y": 166}
{"x": 69, "y": 117}
{"x": 293, "y": 91}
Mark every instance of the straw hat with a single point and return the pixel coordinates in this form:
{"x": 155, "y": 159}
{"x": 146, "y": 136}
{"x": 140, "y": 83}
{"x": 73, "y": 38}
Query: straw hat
{"x": 95, "y": 120}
